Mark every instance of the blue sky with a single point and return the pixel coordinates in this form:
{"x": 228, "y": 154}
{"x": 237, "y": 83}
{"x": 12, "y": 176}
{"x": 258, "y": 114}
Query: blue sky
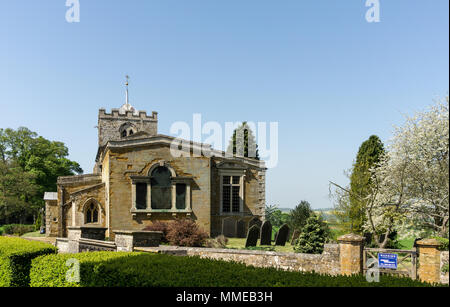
{"x": 315, "y": 66}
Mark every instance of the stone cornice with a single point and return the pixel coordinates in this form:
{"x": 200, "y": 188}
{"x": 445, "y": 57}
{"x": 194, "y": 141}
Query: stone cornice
{"x": 79, "y": 179}
{"x": 165, "y": 140}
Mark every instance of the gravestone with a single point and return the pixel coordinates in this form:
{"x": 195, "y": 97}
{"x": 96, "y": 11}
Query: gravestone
{"x": 255, "y": 221}
{"x": 282, "y": 235}
{"x": 241, "y": 229}
{"x": 229, "y": 227}
{"x": 266, "y": 233}
{"x": 295, "y": 236}
{"x": 252, "y": 236}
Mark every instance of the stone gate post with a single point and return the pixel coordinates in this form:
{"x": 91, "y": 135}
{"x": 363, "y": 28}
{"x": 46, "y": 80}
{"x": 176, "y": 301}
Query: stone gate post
{"x": 429, "y": 260}
{"x": 351, "y": 248}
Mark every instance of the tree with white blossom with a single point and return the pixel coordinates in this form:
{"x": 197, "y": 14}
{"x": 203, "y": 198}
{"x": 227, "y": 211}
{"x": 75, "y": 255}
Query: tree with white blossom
{"x": 411, "y": 183}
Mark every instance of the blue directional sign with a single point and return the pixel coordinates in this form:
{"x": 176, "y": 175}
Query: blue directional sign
{"x": 387, "y": 261}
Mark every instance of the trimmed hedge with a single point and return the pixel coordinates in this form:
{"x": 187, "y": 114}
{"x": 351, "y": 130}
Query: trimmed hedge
{"x": 15, "y": 260}
{"x": 115, "y": 269}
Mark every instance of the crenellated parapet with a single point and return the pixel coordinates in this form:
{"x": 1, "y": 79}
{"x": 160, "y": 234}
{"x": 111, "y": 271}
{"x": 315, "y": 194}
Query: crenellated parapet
{"x": 123, "y": 123}
{"x": 116, "y": 114}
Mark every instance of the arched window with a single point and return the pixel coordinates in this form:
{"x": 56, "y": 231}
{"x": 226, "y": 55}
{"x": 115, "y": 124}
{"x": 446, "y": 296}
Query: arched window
{"x": 127, "y": 129}
{"x": 161, "y": 188}
{"x": 91, "y": 214}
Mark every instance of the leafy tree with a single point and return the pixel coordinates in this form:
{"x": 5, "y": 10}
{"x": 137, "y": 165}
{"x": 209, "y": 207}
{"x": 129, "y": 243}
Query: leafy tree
{"x": 299, "y": 215}
{"x": 270, "y": 211}
{"x": 36, "y": 163}
{"x": 312, "y": 237}
{"x": 16, "y": 189}
{"x": 325, "y": 227}
{"x": 369, "y": 155}
{"x": 243, "y": 143}
{"x": 276, "y": 217}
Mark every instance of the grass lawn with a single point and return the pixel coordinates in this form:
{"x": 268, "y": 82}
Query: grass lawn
{"x": 237, "y": 243}
{"x": 33, "y": 234}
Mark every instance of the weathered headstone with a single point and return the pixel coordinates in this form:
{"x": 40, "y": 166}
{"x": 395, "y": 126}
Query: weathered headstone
{"x": 229, "y": 227}
{"x": 295, "y": 236}
{"x": 282, "y": 235}
{"x": 255, "y": 221}
{"x": 241, "y": 229}
{"x": 252, "y": 236}
{"x": 266, "y": 233}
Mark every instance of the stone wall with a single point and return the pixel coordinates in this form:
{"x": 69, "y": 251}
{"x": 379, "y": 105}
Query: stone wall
{"x": 91, "y": 239}
{"x": 87, "y": 245}
{"x": 127, "y": 162}
{"x": 63, "y": 245}
{"x": 126, "y": 241}
{"x": 51, "y": 218}
{"x": 444, "y": 261}
{"x": 326, "y": 263}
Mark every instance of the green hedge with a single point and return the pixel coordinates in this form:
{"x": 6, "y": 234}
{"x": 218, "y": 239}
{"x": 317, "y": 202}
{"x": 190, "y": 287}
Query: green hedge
{"x": 15, "y": 260}
{"x": 115, "y": 269}
{"x": 17, "y": 229}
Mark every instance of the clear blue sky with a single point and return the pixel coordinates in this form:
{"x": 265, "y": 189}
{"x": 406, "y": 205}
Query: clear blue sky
{"x": 315, "y": 66}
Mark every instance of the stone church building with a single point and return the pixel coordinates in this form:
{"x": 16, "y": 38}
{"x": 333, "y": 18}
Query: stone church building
{"x": 136, "y": 180}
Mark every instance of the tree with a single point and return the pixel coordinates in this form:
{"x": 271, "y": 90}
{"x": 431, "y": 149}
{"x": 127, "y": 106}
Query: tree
{"x": 276, "y": 217}
{"x": 312, "y": 237}
{"x": 16, "y": 188}
{"x": 243, "y": 143}
{"x": 270, "y": 212}
{"x": 412, "y": 181}
{"x": 342, "y": 208}
{"x": 299, "y": 215}
{"x": 34, "y": 160}
{"x": 368, "y": 157}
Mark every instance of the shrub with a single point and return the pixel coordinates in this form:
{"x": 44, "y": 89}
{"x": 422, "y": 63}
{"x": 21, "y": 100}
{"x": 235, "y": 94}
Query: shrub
{"x": 445, "y": 268}
{"x": 115, "y": 269}
{"x": 17, "y": 229}
{"x": 1, "y": 231}
{"x": 15, "y": 260}
{"x": 159, "y": 226}
{"x": 312, "y": 238}
{"x": 185, "y": 232}
{"x": 38, "y": 223}
{"x": 444, "y": 243}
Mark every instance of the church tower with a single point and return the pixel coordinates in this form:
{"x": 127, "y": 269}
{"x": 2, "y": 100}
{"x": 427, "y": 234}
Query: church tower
{"x": 125, "y": 122}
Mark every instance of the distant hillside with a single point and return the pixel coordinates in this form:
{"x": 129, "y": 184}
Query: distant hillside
{"x": 287, "y": 210}
{"x": 324, "y": 209}
{"x": 327, "y": 213}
